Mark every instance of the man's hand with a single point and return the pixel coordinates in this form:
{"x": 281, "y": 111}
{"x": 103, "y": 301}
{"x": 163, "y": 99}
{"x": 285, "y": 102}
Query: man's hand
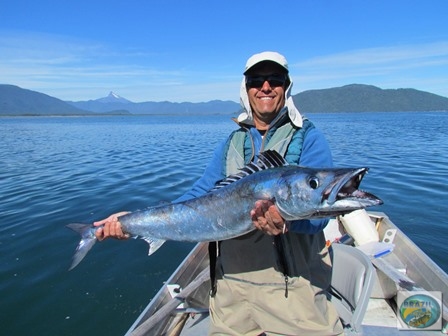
{"x": 267, "y": 218}
{"x": 111, "y": 228}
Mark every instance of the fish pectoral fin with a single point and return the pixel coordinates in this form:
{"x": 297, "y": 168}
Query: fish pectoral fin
{"x": 154, "y": 244}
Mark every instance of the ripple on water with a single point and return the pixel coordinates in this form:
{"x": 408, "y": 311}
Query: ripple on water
{"x": 61, "y": 170}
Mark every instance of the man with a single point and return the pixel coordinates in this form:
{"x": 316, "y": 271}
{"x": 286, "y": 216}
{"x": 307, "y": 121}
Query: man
{"x": 273, "y": 280}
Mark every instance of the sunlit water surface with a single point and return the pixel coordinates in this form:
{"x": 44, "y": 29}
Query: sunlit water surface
{"x": 58, "y": 170}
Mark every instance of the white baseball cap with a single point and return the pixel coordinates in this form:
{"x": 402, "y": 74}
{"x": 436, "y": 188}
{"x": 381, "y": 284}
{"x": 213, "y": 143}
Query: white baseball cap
{"x": 266, "y": 56}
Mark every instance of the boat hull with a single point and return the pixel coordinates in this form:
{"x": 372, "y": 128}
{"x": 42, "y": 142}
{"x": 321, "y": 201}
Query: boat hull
{"x": 406, "y": 259}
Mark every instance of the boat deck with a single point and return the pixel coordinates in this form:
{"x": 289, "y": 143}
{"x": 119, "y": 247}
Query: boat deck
{"x": 380, "y": 319}
{"x": 164, "y": 315}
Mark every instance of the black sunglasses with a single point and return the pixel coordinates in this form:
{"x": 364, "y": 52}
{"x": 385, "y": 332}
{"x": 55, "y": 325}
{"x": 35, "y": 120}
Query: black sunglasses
{"x": 258, "y": 81}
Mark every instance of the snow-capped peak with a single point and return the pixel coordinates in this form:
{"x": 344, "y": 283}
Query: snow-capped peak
{"x": 113, "y": 98}
{"x": 114, "y": 95}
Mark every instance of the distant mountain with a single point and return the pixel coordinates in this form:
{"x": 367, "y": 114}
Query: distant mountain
{"x": 368, "y": 98}
{"x": 17, "y": 101}
{"x": 350, "y": 98}
{"x": 114, "y": 102}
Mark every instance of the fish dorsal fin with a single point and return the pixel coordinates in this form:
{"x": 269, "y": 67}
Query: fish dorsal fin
{"x": 266, "y": 160}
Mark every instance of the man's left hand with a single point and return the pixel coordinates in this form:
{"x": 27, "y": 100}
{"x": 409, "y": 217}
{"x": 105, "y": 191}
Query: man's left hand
{"x": 266, "y": 217}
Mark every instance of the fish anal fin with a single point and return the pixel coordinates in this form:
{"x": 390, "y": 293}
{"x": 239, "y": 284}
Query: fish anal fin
{"x": 154, "y": 244}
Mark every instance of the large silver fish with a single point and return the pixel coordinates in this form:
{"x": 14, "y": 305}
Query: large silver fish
{"x": 224, "y": 212}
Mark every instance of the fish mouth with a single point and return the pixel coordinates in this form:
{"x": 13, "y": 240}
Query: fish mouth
{"x": 345, "y": 191}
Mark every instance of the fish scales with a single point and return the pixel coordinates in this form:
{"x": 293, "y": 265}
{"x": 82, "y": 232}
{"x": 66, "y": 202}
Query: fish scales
{"x": 221, "y": 214}
{"x": 224, "y": 212}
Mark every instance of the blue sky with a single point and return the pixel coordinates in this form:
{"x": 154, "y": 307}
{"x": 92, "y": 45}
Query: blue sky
{"x": 196, "y": 50}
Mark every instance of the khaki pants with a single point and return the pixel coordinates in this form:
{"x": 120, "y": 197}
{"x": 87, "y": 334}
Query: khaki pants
{"x": 243, "y": 308}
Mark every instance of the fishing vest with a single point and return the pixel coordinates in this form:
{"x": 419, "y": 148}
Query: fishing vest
{"x": 256, "y": 257}
{"x": 286, "y": 139}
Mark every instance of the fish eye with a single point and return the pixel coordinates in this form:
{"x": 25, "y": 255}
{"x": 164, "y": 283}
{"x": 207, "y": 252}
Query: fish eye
{"x": 313, "y": 182}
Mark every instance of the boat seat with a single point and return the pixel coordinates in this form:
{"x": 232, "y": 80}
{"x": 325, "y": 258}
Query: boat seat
{"x": 351, "y": 284}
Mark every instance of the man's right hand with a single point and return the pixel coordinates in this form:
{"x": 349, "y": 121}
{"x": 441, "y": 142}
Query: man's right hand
{"x": 110, "y": 227}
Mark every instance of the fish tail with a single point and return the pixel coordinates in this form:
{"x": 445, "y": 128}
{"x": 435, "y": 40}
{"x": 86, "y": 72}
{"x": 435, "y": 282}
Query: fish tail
{"x": 88, "y": 239}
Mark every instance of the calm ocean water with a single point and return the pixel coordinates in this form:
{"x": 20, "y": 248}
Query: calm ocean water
{"x": 58, "y": 170}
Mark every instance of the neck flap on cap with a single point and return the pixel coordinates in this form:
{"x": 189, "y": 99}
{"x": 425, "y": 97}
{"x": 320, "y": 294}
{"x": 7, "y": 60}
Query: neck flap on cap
{"x": 246, "y": 116}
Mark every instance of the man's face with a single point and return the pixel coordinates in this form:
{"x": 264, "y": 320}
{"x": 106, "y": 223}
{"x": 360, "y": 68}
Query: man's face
{"x": 265, "y": 87}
